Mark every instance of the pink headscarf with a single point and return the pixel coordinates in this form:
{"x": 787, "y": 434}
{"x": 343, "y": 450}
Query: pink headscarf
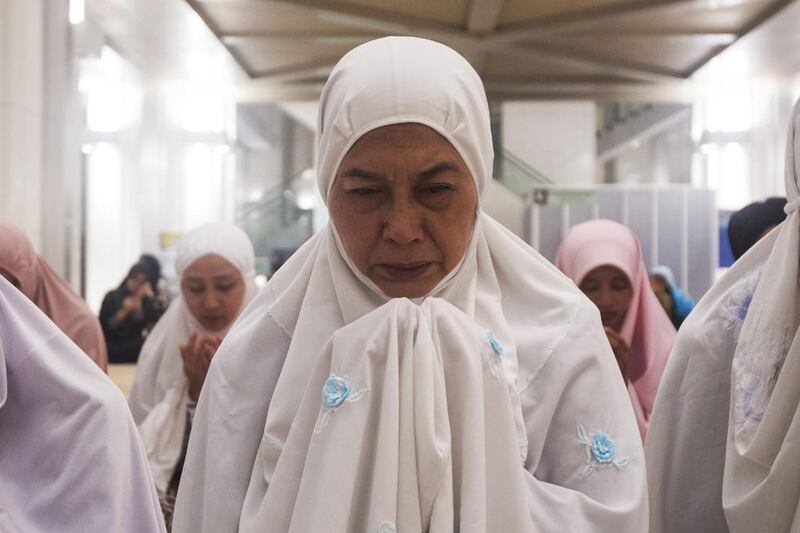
{"x": 647, "y": 329}
{"x": 51, "y": 294}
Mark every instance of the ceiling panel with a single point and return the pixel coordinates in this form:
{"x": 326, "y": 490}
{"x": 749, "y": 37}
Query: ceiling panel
{"x": 258, "y": 16}
{"x": 690, "y": 17}
{"x": 675, "y": 53}
{"x": 580, "y": 44}
{"x": 521, "y": 11}
{"x": 265, "y": 55}
{"x": 451, "y": 12}
{"x": 504, "y": 65}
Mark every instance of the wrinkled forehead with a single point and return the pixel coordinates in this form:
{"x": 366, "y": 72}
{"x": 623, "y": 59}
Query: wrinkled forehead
{"x": 416, "y": 144}
{"x": 401, "y": 80}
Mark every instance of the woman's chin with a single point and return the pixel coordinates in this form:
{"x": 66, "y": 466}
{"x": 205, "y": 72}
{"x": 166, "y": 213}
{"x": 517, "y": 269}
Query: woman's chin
{"x": 406, "y": 288}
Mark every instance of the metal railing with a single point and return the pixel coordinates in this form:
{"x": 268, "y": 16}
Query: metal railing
{"x": 517, "y": 175}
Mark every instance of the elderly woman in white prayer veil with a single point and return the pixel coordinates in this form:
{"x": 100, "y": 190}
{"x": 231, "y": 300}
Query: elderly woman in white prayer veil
{"x": 415, "y": 366}
{"x": 723, "y": 452}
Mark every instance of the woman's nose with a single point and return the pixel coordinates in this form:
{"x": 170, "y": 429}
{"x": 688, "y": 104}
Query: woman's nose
{"x": 602, "y": 297}
{"x": 211, "y": 300}
{"x": 403, "y": 224}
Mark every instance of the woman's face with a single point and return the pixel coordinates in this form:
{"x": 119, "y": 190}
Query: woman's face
{"x": 661, "y": 290}
{"x": 404, "y": 204}
{"x": 135, "y": 282}
{"x": 610, "y": 290}
{"x": 213, "y": 290}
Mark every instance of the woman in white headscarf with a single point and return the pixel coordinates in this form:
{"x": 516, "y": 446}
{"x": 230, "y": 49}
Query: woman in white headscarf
{"x": 415, "y": 366}
{"x": 723, "y": 452}
{"x": 216, "y": 267}
{"x": 70, "y": 457}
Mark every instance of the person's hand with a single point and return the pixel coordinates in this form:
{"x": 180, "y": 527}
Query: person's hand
{"x": 131, "y": 304}
{"x": 145, "y": 291}
{"x": 621, "y": 350}
{"x": 197, "y": 354}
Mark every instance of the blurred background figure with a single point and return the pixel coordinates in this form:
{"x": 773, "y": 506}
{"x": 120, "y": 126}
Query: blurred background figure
{"x": 69, "y": 453}
{"x": 676, "y": 303}
{"x": 604, "y": 259}
{"x": 152, "y": 267}
{"x": 748, "y": 225}
{"x": 130, "y": 311}
{"x": 28, "y": 272}
{"x": 215, "y": 264}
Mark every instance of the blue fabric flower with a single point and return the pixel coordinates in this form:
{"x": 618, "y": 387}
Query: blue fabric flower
{"x": 335, "y": 391}
{"x": 603, "y": 448}
{"x": 601, "y": 452}
{"x": 497, "y": 348}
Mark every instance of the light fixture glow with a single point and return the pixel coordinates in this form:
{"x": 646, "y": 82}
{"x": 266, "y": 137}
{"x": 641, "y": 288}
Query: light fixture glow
{"x": 77, "y": 11}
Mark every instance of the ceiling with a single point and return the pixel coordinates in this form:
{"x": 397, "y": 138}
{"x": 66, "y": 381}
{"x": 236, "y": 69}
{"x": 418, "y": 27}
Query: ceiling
{"x": 602, "y": 49}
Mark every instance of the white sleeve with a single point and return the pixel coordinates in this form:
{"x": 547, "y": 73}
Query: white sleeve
{"x": 585, "y": 464}
{"x": 228, "y": 425}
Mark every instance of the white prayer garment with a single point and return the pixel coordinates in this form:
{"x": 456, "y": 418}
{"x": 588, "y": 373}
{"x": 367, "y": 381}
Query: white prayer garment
{"x": 723, "y": 452}
{"x": 160, "y": 392}
{"x": 70, "y": 456}
{"x": 492, "y": 404}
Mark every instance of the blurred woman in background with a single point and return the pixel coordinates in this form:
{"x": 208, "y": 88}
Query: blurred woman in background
{"x": 129, "y": 312}
{"x": 752, "y": 222}
{"x": 604, "y": 259}
{"x": 676, "y": 303}
{"x": 28, "y": 272}
{"x": 216, "y": 267}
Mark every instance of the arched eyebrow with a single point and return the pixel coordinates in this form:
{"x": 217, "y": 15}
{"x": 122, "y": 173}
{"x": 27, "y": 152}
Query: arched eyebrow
{"x": 438, "y": 168}
{"x": 356, "y": 172}
{"x": 215, "y": 278}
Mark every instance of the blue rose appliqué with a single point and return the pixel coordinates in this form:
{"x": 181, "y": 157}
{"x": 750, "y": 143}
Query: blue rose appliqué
{"x": 601, "y": 451}
{"x": 497, "y": 348}
{"x": 603, "y": 448}
{"x": 495, "y": 356}
{"x": 335, "y": 391}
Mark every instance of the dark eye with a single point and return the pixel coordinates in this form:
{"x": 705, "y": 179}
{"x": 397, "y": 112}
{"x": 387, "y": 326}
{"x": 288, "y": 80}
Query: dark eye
{"x": 364, "y": 192}
{"x": 589, "y": 286}
{"x": 619, "y": 284}
{"x": 225, "y": 287}
{"x": 196, "y": 289}
{"x": 438, "y": 188}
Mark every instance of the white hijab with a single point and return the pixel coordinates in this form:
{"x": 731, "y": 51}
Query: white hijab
{"x": 160, "y": 390}
{"x": 723, "y": 452}
{"x": 70, "y": 457}
{"x": 256, "y": 461}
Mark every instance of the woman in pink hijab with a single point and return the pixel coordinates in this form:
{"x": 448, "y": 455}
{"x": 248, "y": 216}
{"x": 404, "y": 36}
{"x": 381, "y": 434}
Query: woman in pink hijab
{"x": 604, "y": 259}
{"x": 28, "y": 272}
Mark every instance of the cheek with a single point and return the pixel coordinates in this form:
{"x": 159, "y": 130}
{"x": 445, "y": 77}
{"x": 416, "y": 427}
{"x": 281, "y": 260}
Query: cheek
{"x": 451, "y": 235}
{"x": 233, "y": 301}
{"x": 624, "y": 299}
{"x": 594, "y": 297}
{"x": 359, "y": 235}
{"x": 193, "y": 302}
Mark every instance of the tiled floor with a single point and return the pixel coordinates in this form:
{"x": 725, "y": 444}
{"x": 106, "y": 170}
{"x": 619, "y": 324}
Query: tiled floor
{"x": 122, "y": 374}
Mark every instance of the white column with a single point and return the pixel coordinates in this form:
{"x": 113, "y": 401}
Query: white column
{"x": 39, "y": 179}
